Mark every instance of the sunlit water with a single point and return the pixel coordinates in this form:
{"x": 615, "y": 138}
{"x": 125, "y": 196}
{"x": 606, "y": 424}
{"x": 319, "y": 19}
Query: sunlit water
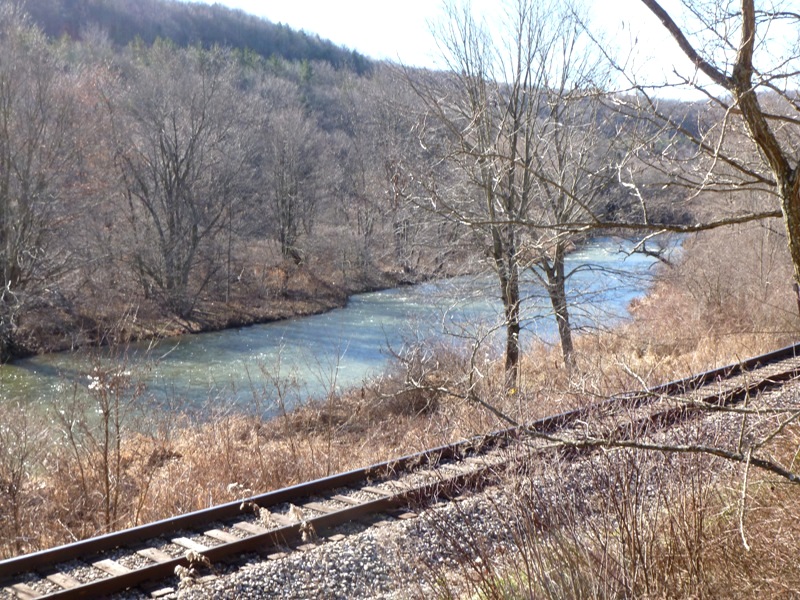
{"x": 306, "y": 357}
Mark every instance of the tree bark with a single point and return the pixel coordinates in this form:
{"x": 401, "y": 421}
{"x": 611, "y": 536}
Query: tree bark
{"x": 556, "y": 284}
{"x": 511, "y": 300}
{"x": 740, "y": 84}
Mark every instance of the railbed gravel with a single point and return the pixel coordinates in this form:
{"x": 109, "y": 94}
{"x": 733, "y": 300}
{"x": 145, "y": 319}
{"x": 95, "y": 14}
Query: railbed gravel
{"x": 394, "y": 558}
{"x": 367, "y": 564}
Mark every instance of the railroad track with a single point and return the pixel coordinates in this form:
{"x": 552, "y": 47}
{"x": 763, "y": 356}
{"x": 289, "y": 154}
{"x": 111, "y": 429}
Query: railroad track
{"x": 150, "y": 556}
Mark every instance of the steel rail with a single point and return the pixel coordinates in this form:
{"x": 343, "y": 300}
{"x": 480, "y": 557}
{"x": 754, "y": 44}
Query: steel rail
{"x": 191, "y": 521}
{"x": 274, "y": 537}
{"x": 232, "y": 510}
{"x": 638, "y": 397}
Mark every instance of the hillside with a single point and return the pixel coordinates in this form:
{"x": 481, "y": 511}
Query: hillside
{"x": 188, "y": 24}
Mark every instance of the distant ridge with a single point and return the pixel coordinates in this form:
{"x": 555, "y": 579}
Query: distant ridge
{"x": 188, "y": 24}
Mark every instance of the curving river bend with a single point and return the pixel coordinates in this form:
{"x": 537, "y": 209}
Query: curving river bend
{"x": 307, "y": 356}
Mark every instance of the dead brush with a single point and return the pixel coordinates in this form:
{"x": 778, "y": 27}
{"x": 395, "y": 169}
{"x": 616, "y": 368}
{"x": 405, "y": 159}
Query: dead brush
{"x": 187, "y": 576}
{"x": 319, "y": 416}
{"x": 23, "y": 438}
{"x": 756, "y": 539}
{"x": 419, "y": 379}
{"x": 625, "y": 523}
{"x": 593, "y": 531}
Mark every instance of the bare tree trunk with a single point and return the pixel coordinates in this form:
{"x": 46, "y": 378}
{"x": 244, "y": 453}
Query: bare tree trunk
{"x": 509, "y": 284}
{"x": 506, "y": 259}
{"x": 556, "y": 284}
{"x": 558, "y": 299}
{"x": 737, "y": 78}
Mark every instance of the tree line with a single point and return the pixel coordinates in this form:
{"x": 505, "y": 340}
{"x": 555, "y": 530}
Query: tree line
{"x": 171, "y": 177}
{"x": 175, "y": 179}
{"x": 188, "y": 24}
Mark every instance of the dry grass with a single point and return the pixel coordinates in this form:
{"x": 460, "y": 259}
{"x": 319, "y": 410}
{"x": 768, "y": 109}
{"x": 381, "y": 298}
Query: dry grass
{"x": 80, "y": 477}
{"x": 626, "y": 524}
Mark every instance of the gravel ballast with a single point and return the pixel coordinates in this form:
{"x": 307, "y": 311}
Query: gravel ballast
{"x": 401, "y": 558}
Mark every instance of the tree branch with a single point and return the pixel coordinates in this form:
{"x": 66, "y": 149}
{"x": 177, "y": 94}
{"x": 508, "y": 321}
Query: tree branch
{"x": 737, "y": 457}
{"x": 702, "y": 64}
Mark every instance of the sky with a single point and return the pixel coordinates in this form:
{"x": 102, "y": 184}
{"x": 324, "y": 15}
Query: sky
{"x": 400, "y": 31}
{"x": 380, "y": 29}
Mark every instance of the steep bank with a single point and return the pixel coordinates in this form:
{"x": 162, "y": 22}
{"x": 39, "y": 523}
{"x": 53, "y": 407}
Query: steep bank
{"x": 280, "y": 294}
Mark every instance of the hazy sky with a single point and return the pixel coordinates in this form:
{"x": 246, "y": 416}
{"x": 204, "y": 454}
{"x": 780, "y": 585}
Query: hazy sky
{"x": 377, "y": 28}
{"x": 400, "y": 31}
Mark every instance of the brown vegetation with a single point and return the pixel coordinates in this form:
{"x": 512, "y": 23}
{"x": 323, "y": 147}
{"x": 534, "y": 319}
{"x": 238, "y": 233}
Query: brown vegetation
{"x": 80, "y": 475}
{"x": 627, "y": 524}
{"x": 264, "y": 230}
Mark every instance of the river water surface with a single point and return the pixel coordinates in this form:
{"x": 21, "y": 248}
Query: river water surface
{"x": 305, "y": 357}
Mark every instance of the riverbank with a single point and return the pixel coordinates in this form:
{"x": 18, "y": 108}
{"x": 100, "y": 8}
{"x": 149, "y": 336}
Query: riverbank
{"x": 184, "y": 462}
{"x": 261, "y": 295}
{"x": 281, "y": 293}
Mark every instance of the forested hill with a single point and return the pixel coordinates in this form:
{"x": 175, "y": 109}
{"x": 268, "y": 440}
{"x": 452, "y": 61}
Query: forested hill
{"x": 188, "y": 24}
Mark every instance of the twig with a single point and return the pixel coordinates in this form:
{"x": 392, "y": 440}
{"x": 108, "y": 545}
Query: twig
{"x": 743, "y": 500}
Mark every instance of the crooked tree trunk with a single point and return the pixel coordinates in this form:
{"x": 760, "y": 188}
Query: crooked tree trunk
{"x": 785, "y": 172}
{"x": 556, "y": 285}
{"x": 740, "y": 84}
{"x": 505, "y": 258}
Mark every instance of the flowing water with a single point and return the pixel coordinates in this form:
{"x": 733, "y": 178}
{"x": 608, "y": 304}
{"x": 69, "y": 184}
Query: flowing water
{"x": 306, "y": 357}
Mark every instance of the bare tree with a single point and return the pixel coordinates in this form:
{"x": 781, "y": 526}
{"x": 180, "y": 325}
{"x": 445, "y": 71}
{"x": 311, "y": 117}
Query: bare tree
{"x": 292, "y": 145}
{"x": 743, "y": 60}
{"x": 572, "y": 167}
{"x": 38, "y": 156}
{"x": 182, "y": 152}
{"x": 523, "y": 124}
{"x": 377, "y": 153}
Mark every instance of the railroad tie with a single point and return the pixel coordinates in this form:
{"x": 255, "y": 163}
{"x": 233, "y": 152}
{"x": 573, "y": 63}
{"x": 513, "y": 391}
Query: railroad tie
{"x": 63, "y": 580}
{"x": 111, "y": 567}
{"x": 154, "y": 554}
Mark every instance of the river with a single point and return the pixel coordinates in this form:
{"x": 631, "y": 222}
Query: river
{"x": 305, "y": 357}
